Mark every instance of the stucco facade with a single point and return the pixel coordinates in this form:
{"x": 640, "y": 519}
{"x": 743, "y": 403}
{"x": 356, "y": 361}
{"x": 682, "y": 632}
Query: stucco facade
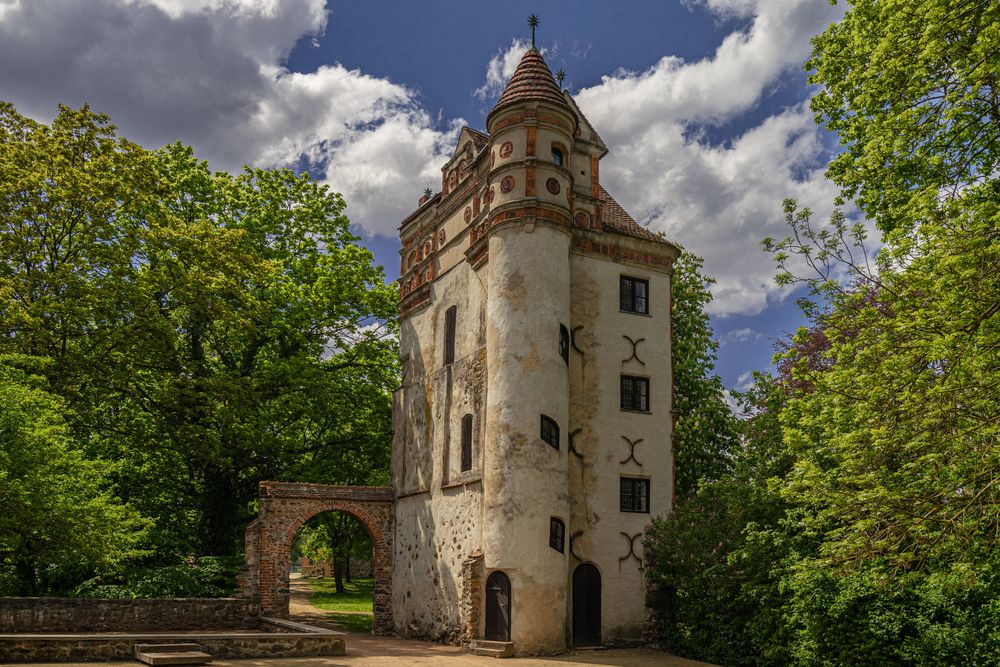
{"x": 513, "y": 307}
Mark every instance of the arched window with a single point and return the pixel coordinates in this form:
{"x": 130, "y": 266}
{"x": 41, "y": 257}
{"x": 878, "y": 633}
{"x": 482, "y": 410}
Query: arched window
{"x": 557, "y": 534}
{"x": 466, "y": 443}
{"x": 550, "y": 431}
{"x": 557, "y": 157}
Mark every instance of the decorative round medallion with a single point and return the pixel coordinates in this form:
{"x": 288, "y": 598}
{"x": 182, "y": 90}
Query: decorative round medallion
{"x": 506, "y": 149}
{"x": 552, "y": 185}
{"x": 441, "y": 237}
{"x": 493, "y": 159}
{"x": 507, "y": 184}
{"x": 583, "y": 219}
{"x": 490, "y": 194}
{"x": 452, "y": 179}
{"x": 468, "y": 214}
{"x": 427, "y": 249}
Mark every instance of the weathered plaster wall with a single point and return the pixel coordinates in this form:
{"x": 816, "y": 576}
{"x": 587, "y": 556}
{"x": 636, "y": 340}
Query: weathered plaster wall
{"x": 525, "y": 482}
{"x": 595, "y": 411}
{"x": 438, "y": 516}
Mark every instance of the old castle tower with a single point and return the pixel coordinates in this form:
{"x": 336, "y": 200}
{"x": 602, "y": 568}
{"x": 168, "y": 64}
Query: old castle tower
{"x": 533, "y": 427}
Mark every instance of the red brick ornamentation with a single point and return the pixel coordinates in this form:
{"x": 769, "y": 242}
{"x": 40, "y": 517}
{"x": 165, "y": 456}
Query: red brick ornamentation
{"x": 529, "y": 181}
{"x": 532, "y": 135}
{"x": 284, "y": 508}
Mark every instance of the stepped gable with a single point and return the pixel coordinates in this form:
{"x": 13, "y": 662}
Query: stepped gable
{"x": 616, "y": 219}
{"x": 532, "y": 80}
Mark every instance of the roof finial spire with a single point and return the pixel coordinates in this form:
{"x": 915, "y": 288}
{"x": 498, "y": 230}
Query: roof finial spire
{"x": 560, "y": 77}
{"x": 533, "y": 22}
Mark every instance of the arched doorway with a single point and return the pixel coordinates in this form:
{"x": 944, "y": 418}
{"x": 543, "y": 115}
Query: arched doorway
{"x": 498, "y": 606}
{"x": 586, "y": 606}
{"x": 284, "y": 508}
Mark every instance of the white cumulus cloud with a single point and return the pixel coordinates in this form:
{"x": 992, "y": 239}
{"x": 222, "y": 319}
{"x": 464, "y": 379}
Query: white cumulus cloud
{"x": 209, "y": 72}
{"x": 718, "y": 200}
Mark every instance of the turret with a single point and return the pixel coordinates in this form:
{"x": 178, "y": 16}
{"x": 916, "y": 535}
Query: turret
{"x": 528, "y": 232}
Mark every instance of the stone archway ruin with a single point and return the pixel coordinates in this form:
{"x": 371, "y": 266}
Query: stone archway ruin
{"x": 284, "y": 507}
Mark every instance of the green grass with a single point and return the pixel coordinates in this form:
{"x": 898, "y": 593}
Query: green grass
{"x": 357, "y": 596}
{"x": 351, "y": 622}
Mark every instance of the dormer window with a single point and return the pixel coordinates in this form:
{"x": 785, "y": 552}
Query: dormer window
{"x": 557, "y": 157}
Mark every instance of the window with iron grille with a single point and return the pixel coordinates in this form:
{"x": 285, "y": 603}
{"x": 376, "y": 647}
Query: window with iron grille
{"x": 635, "y": 393}
{"x": 550, "y": 431}
{"x": 564, "y": 342}
{"x": 557, "y": 534}
{"x": 466, "y": 443}
{"x": 449, "y": 334}
{"x": 634, "y": 495}
{"x": 634, "y": 295}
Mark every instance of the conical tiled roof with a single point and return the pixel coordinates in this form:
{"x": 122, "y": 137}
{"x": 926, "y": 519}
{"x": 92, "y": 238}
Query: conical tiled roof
{"x": 532, "y": 80}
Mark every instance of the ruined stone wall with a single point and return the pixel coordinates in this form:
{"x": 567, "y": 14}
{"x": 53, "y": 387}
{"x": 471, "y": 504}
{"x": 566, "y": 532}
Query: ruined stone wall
{"x": 599, "y": 532}
{"x": 110, "y": 615}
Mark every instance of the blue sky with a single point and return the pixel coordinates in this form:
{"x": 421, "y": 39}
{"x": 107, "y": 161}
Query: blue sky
{"x": 701, "y": 102}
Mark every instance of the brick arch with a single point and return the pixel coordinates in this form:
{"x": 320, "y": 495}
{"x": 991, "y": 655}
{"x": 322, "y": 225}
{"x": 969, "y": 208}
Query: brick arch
{"x": 284, "y": 508}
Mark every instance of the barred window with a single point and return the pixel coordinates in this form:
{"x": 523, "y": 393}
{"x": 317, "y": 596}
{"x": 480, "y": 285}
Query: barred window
{"x": 634, "y": 495}
{"x": 634, "y": 295}
{"x": 564, "y": 342}
{"x": 550, "y": 431}
{"x": 466, "y": 443}
{"x": 635, "y": 393}
{"x": 557, "y": 534}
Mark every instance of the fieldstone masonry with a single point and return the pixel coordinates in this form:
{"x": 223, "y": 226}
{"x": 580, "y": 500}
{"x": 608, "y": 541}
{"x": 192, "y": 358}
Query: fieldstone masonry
{"x": 284, "y": 507}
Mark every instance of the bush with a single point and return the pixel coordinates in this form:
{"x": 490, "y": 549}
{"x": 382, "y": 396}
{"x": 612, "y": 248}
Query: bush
{"x": 207, "y": 577}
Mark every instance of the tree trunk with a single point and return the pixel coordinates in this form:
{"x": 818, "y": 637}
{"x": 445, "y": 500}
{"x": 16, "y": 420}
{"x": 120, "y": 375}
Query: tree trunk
{"x": 338, "y": 574}
{"x": 347, "y": 569}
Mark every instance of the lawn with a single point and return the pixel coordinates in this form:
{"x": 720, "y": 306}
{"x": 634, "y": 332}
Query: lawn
{"x": 354, "y": 604}
{"x": 357, "y": 595}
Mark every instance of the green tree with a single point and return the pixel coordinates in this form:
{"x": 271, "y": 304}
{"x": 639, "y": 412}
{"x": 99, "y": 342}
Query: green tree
{"x": 910, "y": 88}
{"x": 705, "y": 431}
{"x": 206, "y": 331}
{"x": 337, "y": 537}
{"x": 59, "y": 512}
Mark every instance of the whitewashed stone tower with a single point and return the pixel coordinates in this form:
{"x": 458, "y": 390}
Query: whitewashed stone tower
{"x": 533, "y": 427}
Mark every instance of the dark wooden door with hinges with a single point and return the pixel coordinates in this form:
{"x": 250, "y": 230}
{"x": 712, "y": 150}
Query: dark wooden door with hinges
{"x": 586, "y": 606}
{"x": 498, "y": 607}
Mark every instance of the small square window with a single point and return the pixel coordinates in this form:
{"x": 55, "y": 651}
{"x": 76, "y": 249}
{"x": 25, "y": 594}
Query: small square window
{"x": 634, "y": 295}
{"x": 635, "y": 393}
{"x": 634, "y": 495}
{"x": 550, "y": 431}
{"x": 557, "y": 534}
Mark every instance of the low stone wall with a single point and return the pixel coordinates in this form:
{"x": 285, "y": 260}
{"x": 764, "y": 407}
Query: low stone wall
{"x": 98, "y": 647}
{"x": 105, "y": 615}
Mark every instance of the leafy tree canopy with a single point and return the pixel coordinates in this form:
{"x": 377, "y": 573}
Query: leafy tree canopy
{"x": 204, "y": 331}
{"x": 910, "y": 87}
